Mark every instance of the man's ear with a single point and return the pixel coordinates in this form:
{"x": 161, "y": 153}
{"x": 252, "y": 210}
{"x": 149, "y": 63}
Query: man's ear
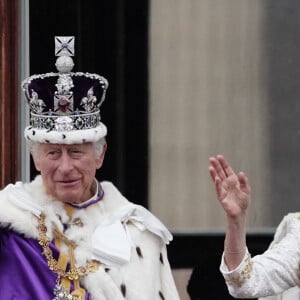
{"x": 100, "y": 159}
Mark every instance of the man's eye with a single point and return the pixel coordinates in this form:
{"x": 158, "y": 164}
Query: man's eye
{"x": 76, "y": 153}
{"x": 53, "y": 154}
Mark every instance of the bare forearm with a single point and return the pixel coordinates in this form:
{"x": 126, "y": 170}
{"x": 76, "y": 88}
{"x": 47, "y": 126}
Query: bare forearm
{"x": 233, "y": 192}
{"x": 235, "y": 242}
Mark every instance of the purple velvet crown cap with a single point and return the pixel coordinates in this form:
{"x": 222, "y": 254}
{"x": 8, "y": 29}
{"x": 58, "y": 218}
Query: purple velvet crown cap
{"x": 65, "y": 106}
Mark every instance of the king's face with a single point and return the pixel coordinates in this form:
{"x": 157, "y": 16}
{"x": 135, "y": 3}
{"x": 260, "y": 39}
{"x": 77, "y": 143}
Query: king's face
{"x": 68, "y": 171}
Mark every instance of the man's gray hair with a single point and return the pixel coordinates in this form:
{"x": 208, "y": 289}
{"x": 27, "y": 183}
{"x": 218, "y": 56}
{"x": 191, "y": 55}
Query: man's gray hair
{"x": 99, "y": 145}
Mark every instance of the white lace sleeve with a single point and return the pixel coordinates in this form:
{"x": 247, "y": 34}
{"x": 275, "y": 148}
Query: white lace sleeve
{"x": 273, "y": 272}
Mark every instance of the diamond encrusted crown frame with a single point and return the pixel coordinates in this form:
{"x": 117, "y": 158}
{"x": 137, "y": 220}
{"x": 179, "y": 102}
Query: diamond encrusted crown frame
{"x": 64, "y": 101}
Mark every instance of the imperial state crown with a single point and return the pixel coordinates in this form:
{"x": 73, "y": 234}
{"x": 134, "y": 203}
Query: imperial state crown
{"x": 65, "y": 105}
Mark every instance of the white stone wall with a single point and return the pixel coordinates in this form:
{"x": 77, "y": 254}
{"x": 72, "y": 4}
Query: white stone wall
{"x": 207, "y": 96}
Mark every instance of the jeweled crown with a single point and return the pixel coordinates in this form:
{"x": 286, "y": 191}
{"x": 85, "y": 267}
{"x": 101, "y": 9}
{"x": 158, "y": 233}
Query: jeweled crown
{"x": 65, "y": 106}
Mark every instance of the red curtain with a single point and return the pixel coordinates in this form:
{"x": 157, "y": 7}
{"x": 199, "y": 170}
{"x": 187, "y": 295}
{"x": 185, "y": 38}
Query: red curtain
{"x": 9, "y": 87}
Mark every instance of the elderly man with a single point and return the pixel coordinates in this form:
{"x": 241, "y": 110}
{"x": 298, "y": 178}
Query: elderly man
{"x": 65, "y": 235}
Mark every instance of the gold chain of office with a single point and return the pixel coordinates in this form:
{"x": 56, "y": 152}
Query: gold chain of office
{"x": 73, "y": 273}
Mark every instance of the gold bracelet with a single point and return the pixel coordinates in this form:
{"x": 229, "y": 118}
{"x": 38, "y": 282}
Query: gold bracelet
{"x": 234, "y": 251}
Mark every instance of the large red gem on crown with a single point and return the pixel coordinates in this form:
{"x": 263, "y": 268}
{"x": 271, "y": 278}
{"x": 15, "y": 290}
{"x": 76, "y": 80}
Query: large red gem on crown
{"x": 63, "y": 104}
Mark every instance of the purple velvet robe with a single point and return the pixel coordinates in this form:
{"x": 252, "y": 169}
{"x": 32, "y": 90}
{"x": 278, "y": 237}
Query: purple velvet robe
{"x": 24, "y": 272}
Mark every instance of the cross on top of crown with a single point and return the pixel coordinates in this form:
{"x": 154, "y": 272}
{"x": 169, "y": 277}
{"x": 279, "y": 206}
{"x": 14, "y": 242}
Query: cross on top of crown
{"x": 64, "y": 45}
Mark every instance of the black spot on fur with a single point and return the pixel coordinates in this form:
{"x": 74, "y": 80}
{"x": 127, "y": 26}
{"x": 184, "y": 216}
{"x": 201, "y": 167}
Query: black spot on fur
{"x": 33, "y": 132}
{"x": 63, "y": 136}
{"x": 107, "y": 270}
{"x": 123, "y": 289}
{"x": 161, "y": 258}
{"x": 139, "y": 252}
{"x": 161, "y": 295}
{"x": 47, "y": 141}
{"x": 83, "y": 140}
{"x": 29, "y": 128}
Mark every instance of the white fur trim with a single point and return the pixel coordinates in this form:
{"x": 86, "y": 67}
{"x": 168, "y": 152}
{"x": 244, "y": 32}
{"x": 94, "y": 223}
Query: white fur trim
{"x": 65, "y": 137}
{"x": 22, "y": 199}
{"x": 101, "y": 287}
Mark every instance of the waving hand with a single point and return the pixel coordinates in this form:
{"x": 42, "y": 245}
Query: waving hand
{"x": 233, "y": 190}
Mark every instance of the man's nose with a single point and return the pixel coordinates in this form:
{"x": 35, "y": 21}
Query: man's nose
{"x": 65, "y": 163}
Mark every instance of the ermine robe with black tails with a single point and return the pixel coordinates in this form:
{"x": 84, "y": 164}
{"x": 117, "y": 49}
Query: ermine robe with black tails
{"x": 128, "y": 241}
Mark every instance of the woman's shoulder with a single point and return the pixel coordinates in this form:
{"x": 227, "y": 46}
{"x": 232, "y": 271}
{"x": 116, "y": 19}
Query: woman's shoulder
{"x": 290, "y": 224}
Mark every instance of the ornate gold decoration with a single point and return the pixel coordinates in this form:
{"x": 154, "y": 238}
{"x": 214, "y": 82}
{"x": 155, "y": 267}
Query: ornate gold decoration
{"x": 245, "y": 274}
{"x": 74, "y": 272}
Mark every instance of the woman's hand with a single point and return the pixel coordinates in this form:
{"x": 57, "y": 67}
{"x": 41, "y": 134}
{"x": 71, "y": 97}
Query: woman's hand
{"x": 233, "y": 190}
